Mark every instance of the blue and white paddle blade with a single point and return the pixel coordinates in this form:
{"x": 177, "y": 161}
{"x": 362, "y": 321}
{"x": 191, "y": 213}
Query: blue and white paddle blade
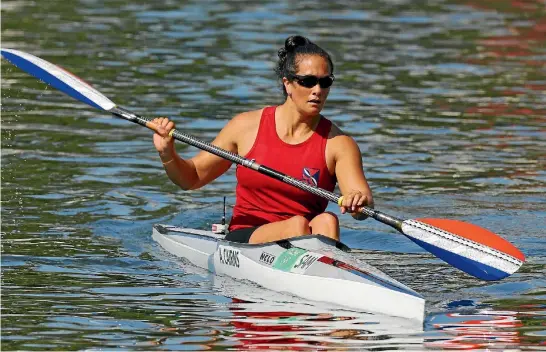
{"x": 475, "y": 250}
{"x": 58, "y": 78}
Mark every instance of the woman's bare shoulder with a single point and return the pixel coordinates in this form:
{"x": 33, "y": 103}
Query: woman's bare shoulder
{"x": 335, "y": 131}
{"x": 339, "y": 140}
{"x": 242, "y": 122}
{"x": 247, "y": 118}
{"x": 242, "y": 130}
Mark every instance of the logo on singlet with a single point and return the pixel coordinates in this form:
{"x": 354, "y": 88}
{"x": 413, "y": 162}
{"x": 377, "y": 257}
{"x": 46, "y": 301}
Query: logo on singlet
{"x": 311, "y": 176}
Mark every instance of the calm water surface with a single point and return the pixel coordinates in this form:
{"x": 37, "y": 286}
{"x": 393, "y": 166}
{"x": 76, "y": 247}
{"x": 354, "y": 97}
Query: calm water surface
{"x": 447, "y": 101}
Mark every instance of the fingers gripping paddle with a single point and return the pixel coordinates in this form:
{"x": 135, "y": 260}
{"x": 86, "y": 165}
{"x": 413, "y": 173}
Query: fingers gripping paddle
{"x": 472, "y": 249}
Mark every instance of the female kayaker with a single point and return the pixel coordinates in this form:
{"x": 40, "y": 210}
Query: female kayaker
{"x": 293, "y": 138}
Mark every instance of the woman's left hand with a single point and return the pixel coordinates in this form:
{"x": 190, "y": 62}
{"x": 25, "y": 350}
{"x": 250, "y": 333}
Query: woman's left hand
{"x": 353, "y": 201}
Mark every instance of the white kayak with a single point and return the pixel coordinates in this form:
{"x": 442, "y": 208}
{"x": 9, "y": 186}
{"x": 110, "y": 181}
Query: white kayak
{"x": 311, "y": 267}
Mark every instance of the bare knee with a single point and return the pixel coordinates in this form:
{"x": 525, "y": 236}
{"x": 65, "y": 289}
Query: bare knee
{"x": 279, "y": 230}
{"x": 331, "y": 219}
{"x": 326, "y": 224}
{"x": 300, "y": 224}
{"x": 326, "y": 219}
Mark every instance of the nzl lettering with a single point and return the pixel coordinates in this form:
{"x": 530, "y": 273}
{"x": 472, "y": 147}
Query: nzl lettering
{"x": 229, "y": 256}
{"x": 305, "y": 261}
{"x": 267, "y": 258}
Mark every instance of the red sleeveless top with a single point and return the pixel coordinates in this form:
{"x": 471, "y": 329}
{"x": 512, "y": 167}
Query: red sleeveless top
{"x": 261, "y": 199}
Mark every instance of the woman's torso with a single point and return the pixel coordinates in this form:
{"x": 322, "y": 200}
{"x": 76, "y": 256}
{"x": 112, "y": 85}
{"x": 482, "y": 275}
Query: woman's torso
{"x": 261, "y": 199}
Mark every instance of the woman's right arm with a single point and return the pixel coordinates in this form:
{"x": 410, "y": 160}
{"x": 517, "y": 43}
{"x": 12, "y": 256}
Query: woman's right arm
{"x": 203, "y": 168}
{"x": 181, "y": 172}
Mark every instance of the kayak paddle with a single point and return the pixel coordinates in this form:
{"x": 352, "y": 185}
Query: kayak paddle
{"x": 470, "y": 248}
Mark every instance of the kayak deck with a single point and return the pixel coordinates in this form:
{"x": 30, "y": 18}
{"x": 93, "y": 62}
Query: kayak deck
{"x": 312, "y": 267}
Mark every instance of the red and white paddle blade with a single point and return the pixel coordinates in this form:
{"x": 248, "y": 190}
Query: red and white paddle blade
{"x": 58, "y": 78}
{"x": 473, "y": 249}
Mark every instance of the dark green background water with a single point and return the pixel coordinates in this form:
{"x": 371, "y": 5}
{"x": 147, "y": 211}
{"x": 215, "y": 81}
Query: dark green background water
{"x": 446, "y": 99}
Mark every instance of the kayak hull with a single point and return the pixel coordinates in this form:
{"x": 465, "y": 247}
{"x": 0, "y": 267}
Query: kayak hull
{"x": 311, "y": 267}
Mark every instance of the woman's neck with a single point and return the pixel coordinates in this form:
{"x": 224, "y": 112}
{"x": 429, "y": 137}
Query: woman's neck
{"x": 292, "y": 123}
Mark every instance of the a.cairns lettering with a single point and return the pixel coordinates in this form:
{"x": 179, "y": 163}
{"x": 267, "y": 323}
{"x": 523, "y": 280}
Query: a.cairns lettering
{"x": 229, "y": 256}
{"x": 305, "y": 261}
{"x": 267, "y": 258}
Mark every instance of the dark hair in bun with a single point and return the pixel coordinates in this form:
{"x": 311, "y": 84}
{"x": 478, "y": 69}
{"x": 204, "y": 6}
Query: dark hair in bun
{"x": 294, "y": 46}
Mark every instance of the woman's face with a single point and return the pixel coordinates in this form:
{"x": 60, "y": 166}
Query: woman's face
{"x": 309, "y": 101}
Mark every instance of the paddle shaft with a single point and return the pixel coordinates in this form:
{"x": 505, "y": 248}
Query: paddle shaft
{"x": 251, "y": 164}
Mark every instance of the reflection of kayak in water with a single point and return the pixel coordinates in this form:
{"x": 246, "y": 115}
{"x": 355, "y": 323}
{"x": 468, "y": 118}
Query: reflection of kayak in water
{"x": 286, "y": 323}
{"x": 480, "y": 330}
{"x": 310, "y": 267}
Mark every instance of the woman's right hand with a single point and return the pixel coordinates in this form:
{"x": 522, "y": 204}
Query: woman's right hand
{"x": 162, "y": 141}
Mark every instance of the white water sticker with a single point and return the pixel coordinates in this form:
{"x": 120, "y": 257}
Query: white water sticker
{"x": 229, "y": 256}
{"x": 304, "y": 262}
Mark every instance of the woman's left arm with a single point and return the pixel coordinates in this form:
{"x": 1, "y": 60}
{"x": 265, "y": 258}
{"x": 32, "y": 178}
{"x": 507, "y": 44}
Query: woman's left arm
{"x": 350, "y": 176}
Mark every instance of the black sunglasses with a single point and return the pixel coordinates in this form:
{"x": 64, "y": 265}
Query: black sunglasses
{"x": 310, "y": 81}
